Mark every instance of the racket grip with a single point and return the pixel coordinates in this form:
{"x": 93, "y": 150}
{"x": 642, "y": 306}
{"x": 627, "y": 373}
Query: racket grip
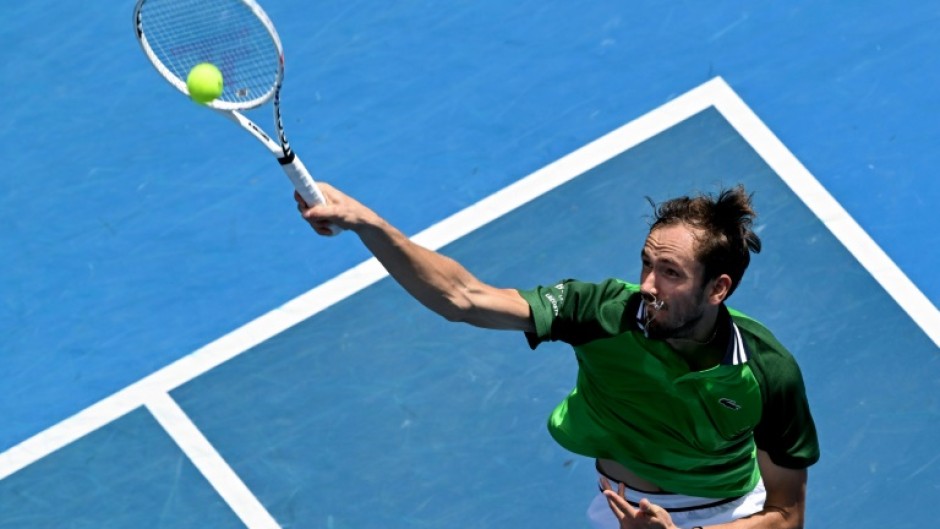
{"x": 299, "y": 176}
{"x": 303, "y": 182}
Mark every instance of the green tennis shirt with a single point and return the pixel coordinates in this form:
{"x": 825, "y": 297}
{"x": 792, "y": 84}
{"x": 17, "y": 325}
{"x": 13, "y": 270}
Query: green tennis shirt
{"x": 637, "y": 402}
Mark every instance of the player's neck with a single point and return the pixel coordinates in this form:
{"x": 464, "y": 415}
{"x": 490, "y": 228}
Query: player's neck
{"x": 700, "y": 349}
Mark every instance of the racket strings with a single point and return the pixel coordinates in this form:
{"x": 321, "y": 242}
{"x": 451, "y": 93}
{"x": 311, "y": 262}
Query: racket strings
{"x": 226, "y": 33}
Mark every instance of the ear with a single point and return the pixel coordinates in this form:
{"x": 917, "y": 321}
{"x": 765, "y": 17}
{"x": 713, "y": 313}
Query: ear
{"x": 719, "y": 289}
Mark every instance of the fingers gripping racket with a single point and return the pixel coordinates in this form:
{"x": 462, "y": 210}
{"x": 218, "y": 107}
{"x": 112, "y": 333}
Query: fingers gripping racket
{"x": 239, "y": 38}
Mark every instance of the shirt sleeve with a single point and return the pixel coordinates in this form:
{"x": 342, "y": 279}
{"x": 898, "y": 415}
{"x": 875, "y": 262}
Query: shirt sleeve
{"x": 786, "y": 431}
{"x": 577, "y": 312}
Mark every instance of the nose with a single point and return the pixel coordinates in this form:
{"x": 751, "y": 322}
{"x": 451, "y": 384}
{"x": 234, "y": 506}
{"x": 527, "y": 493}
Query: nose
{"x": 650, "y": 293}
{"x": 648, "y": 287}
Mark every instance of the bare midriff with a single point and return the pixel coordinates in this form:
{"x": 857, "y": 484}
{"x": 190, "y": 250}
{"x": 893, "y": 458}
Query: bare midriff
{"x": 618, "y": 472}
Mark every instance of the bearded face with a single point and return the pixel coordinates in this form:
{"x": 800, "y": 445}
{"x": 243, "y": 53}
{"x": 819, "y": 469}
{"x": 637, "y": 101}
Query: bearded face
{"x": 672, "y": 280}
{"x": 676, "y": 318}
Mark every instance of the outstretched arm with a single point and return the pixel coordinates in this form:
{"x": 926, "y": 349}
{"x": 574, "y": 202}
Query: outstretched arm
{"x": 437, "y": 281}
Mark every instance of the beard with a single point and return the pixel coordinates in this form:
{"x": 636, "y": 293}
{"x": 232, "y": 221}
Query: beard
{"x": 681, "y": 322}
{"x": 659, "y": 330}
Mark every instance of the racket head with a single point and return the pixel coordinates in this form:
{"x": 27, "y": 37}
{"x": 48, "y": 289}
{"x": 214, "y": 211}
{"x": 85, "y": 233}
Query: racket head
{"x": 235, "y": 35}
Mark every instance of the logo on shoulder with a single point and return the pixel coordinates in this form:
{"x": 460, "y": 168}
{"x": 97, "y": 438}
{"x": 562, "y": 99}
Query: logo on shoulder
{"x": 730, "y": 404}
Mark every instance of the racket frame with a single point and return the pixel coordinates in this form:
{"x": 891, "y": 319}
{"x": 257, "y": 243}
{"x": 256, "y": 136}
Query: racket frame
{"x": 293, "y": 167}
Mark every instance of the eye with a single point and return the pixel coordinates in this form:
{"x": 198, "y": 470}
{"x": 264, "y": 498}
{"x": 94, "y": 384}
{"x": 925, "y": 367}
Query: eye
{"x": 672, "y": 272}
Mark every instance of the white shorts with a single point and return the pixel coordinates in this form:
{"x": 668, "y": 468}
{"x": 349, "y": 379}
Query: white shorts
{"x": 686, "y": 511}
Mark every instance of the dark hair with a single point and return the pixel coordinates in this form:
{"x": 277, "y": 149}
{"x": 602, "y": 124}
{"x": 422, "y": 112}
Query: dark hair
{"x": 726, "y": 239}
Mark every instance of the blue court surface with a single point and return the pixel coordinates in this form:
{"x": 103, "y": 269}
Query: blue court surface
{"x": 182, "y": 351}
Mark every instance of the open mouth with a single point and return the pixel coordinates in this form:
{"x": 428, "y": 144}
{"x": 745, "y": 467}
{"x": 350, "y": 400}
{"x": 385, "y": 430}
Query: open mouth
{"x": 653, "y": 306}
{"x": 652, "y": 302}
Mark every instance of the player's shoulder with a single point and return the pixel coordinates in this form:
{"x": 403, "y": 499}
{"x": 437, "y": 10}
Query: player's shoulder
{"x": 606, "y": 288}
{"x": 619, "y": 284}
{"x": 765, "y": 351}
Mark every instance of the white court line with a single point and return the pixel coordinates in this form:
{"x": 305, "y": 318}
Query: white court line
{"x": 829, "y": 211}
{"x": 204, "y": 456}
{"x": 713, "y": 93}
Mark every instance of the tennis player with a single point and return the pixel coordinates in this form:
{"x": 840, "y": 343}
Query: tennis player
{"x": 695, "y": 414}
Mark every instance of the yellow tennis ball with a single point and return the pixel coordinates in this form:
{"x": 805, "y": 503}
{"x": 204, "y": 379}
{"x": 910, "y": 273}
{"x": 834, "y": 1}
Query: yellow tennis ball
{"x": 204, "y": 83}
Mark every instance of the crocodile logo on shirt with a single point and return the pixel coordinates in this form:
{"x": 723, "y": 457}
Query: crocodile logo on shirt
{"x": 730, "y": 404}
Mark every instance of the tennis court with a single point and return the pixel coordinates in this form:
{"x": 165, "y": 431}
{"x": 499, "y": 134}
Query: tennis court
{"x": 182, "y": 351}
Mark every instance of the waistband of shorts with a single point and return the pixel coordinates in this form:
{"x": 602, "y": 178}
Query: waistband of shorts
{"x": 667, "y": 500}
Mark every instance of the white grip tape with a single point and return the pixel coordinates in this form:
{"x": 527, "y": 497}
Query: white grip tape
{"x": 303, "y": 183}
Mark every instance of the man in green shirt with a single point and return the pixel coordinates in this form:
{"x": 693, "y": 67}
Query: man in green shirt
{"x": 685, "y": 403}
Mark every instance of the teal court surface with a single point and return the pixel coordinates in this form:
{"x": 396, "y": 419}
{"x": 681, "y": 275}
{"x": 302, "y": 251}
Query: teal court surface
{"x": 182, "y": 351}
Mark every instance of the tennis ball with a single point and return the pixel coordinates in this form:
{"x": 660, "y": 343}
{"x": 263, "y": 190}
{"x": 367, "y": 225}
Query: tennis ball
{"x": 204, "y": 83}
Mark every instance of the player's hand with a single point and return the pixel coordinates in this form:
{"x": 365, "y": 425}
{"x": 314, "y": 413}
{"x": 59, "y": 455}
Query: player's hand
{"x": 340, "y": 210}
{"x": 646, "y": 516}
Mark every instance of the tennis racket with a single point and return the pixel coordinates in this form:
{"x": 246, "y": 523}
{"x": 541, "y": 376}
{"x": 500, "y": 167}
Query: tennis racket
{"x": 239, "y": 38}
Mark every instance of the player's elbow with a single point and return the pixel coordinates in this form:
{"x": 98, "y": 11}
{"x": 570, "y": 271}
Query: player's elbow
{"x": 480, "y": 305}
{"x": 792, "y": 517}
{"x": 795, "y": 520}
{"x": 455, "y": 317}
{"x": 463, "y": 305}
{"x": 456, "y": 309}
